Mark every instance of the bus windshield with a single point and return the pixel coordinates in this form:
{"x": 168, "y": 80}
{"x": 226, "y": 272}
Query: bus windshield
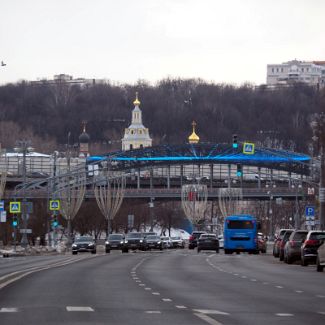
{"x": 240, "y": 224}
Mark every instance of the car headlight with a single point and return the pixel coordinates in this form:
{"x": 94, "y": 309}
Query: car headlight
{"x": 159, "y": 242}
{"x": 121, "y": 242}
{"x": 141, "y": 240}
{"x": 125, "y": 241}
{"x": 106, "y": 242}
{"x": 90, "y": 245}
{"x": 74, "y": 245}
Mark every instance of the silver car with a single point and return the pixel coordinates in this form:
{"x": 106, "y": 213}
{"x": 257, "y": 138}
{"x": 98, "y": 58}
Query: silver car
{"x": 320, "y": 262}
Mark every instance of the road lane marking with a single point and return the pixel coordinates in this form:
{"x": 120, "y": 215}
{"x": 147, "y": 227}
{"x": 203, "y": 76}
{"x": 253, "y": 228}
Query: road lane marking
{"x": 254, "y": 280}
{"x": 243, "y": 276}
{"x": 147, "y": 288}
{"x": 8, "y": 310}
{"x": 284, "y": 315}
{"x": 208, "y": 319}
{"x": 180, "y": 307}
{"x": 142, "y": 285}
{"x": 210, "y": 311}
{"x": 166, "y": 299}
{"x": 265, "y": 283}
{"x": 299, "y": 291}
{"x": 320, "y": 296}
{"x": 321, "y": 312}
{"x": 153, "y": 312}
{"x": 156, "y": 293}
{"x": 279, "y": 287}
{"x": 78, "y": 308}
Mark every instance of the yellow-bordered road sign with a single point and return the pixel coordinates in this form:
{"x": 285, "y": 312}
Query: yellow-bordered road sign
{"x": 15, "y": 207}
{"x": 54, "y": 205}
{"x": 249, "y": 148}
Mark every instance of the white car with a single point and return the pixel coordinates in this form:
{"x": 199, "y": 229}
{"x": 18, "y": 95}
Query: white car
{"x": 167, "y": 242}
{"x": 320, "y": 262}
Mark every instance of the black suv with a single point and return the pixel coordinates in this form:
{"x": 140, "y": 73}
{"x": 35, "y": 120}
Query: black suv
{"x": 192, "y": 241}
{"x": 310, "y": 246}
{"x": 83, "y": 244}
{"x": 114, "y": 241}
{"x": 154, "y": 242}
{"x": 134, "y": 240}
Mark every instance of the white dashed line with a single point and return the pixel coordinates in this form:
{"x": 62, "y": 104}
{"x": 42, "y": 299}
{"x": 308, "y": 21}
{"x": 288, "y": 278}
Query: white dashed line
{"x": 243, "y": 276}
{"x": 78, "y": 308}
{"x": 284, "y": 315}
{"x": 181, "y": 307}
{"x": 138, "y": 281}
{"x": 265, "y": 283}
{"x": 208, "y": 319}
{"x": 320, "y": 296}
{"x": 254, "y": 280}
{"x": 210, "y": 312}
{"x": 8, "y": 310}
{"x": 156, "y": 293}
{"x": 142, "y": 285}
{"x": 321, "y": 312}
{"x": 236, "y": 274}
{"x": 279, "y": 287}
{"x": 147, "y": 288}
{"x": 299, "y": 291}
{"x": 166, "y": 299}
{"x": 153, "y": 312}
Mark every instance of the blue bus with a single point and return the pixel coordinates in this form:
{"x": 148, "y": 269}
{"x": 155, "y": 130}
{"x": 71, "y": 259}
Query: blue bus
{"x": 240, "y": 234}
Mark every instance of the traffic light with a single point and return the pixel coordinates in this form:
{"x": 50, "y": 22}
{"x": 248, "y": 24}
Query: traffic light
{"x": 235, "y": 141}
{"x": 55, "y": 222}
{"x": 239, "y": 172}
{"x": 14, "y": 221}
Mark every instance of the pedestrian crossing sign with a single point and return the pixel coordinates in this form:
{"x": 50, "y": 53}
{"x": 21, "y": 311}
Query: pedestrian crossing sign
{"x": 14, "y": 207}
{"x": 249, "y": 148}
{"x": 54, "y": 205}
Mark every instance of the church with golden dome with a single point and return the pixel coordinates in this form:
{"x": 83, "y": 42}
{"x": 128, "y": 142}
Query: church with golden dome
{"x": 193, "y": 138}
{"x": 136, "y": 135}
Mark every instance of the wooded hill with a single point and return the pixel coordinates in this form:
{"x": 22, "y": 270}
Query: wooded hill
{"x": 45, "y": 113}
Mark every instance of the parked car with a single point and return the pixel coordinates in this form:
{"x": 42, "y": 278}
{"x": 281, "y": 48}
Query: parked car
{"x": 167, "y": 243}
{"x": 177, "y": 242}
{"x": 261, "y": 242}
{"x": 154, "y": 242}
{"x": 83, "y": 244}
{"x": 221, "y": 240}
{"x": 134, "y": 241}
{"x": 114, "y": 241}
{"x": 192, "y": 241}
{"x": 208, "y": 242}
{"x": 292, "y": 248}
{"x": 310, "y": 246}
{"x": 276, "y": 246}
{"x": 283, "y": 241}
{"x": 320, "y": 261}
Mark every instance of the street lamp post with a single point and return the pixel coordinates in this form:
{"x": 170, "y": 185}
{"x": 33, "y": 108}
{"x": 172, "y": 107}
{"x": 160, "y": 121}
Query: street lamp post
{"x": 270, "y": 211}
{"x": 24, "y": 147}
{"x": 297, "y": 220}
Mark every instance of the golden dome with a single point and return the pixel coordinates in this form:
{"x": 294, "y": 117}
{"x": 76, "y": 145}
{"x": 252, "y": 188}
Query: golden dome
{"x": 136, "y": 102}
{"x": 193, "y": 138}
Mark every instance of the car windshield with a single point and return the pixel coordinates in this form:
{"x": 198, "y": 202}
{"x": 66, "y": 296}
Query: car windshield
{"x": 207, "y": 236}
{"x": 176, "y": 238}
{"x": 115, "y": 237}
{"x": 83, "y": 239}
{"x": 134, "y": 235}
{"x": 299, "y": 236}
{"x": 153, "y": 237}
{"x": 317, "y": 235}
{"x": 240, "y": 224}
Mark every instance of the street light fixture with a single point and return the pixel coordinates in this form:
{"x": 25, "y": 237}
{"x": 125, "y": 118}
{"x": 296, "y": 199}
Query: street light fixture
{"x": 23, "y": 146}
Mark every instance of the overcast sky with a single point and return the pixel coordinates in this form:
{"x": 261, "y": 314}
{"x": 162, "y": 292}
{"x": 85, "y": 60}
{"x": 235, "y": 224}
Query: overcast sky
{"x": 228, "y": 41}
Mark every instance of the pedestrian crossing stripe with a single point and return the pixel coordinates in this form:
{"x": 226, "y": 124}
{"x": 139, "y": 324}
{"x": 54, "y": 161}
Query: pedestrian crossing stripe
{"x": 14, "y": 207}
{"x": 54, "y": 205}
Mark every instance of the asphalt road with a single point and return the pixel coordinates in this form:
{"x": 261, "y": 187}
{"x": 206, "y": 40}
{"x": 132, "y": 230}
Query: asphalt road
{"x": 169, "y": 287}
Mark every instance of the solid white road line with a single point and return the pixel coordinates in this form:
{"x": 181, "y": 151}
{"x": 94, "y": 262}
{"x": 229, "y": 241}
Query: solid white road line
{"x": 180, "y": 307}
{"x": 166, "y": 299}
{"x": 78, "y": 308}
{"x": 208, "y": 319}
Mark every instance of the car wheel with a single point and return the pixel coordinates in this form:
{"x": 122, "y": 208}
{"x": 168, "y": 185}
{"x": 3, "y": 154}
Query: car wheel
{"x": 108, "y": 251}
{"x": 217, "y": 251}
{"x": 198, "y": 250}
{"x": 281, "y": 257}
{"x": 93, "y": 252}
{"x": 289, "y": 260}
{"x": 74, "y": 253}
{"x": 227, "y": 251}
{"x": 319, "y": 267}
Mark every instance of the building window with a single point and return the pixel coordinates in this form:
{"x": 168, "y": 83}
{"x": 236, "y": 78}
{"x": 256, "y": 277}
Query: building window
{"x": 273, "y": 70}
{"x": 281, "y": 69}
{"x": 131, "y": 146}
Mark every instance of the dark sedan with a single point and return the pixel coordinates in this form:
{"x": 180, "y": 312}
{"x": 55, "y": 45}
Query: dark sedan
{"x": 292, "y": 247}
{"x": 208, "y": 242}
{"x": 114, "y": 241}
{"x": 84, "y": 244}
{"x": 154, "y": 242}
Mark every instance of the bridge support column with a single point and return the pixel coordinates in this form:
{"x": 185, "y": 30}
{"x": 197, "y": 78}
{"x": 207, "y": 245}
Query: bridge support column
{"x": 151, "y": 178}
{"x": 182, "y": 174}
{"x": 138, "y": 179}
{"x": 229, "y": 176}
{"x": 168, "y": 176}
{"x": 211, "y": 176}
{"x": 259, "y": 178}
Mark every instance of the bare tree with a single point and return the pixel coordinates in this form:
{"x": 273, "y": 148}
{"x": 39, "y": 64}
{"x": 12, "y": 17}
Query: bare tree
{"x": 109, "y": 193}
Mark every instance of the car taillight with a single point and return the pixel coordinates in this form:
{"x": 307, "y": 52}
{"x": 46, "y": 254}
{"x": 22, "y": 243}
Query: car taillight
{"x": 311, "y": 242}
{"x": 191, "y": 237}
